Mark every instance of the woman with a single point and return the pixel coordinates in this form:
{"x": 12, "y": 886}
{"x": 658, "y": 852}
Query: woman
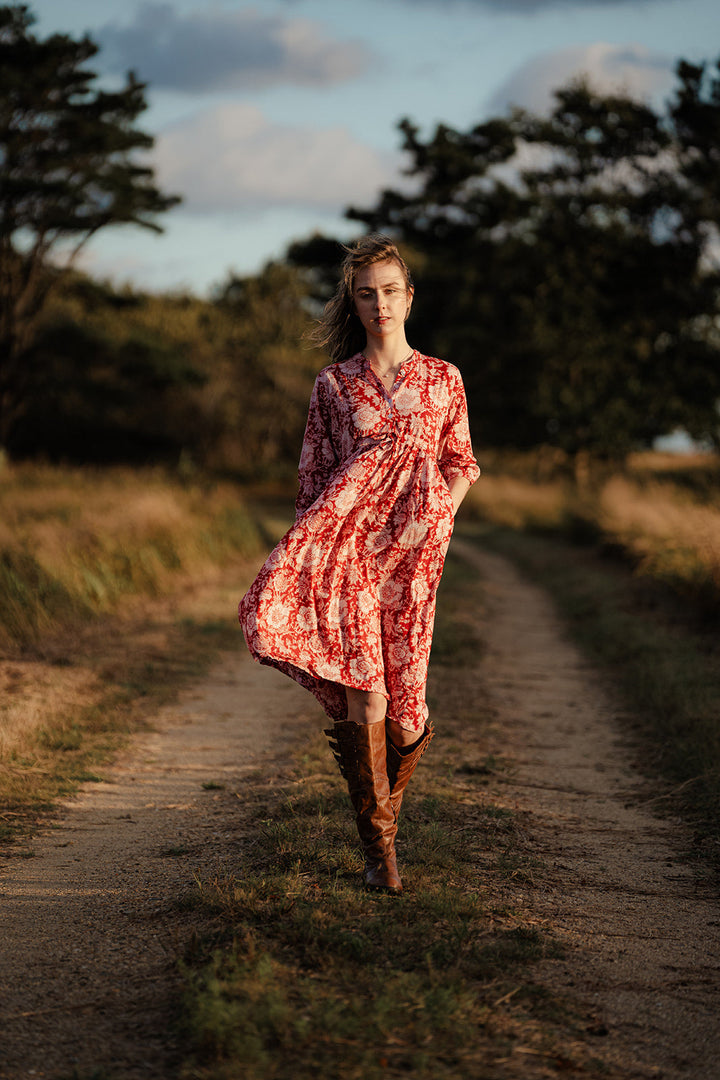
{"x": 345, "y": 603}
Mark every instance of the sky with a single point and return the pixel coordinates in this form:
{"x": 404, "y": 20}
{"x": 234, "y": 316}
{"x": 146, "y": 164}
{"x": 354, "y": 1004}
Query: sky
{"x": 271, "y": 117}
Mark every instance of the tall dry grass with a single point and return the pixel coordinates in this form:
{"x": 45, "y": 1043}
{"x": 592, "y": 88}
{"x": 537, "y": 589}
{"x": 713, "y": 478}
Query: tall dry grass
{"x": 75, "y": 542}
{"x": 521, "y": 503}
{"x": 669, "y": 534}
{"x": 80, "y": 658}
{"x": 663, "y": 511}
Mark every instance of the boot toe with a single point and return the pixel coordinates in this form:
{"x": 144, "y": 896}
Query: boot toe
{"x": 380, "y": 878}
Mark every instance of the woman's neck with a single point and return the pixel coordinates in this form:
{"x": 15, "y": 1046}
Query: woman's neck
{"x": 388, "y": 356}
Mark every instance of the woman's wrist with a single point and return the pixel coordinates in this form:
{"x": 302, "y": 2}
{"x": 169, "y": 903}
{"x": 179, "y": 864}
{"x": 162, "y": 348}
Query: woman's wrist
{"x": 458, "y": 488}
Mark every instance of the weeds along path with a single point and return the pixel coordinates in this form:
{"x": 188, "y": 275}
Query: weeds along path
{"x": 640, "y": 933}
{"x": 92, "y": 926}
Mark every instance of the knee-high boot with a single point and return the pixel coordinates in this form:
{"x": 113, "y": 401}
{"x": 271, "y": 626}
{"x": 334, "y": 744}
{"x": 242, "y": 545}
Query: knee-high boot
{"x": 361, "y": 753}
{"x": 401, "y": 765}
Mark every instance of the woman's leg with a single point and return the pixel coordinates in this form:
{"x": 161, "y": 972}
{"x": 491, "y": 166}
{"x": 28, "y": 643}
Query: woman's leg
{"x": 400, "y": 736}
{"x": 404, "y": 747}
{"x": 402, "y": 759}
{"x": 359, "y": 745}
{"x": 364, "y": 707}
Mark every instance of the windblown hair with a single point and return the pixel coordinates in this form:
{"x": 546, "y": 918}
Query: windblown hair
{"x": 339, "y": 331}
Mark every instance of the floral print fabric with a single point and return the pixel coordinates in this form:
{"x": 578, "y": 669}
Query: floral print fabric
{"x": 347, "y": 598}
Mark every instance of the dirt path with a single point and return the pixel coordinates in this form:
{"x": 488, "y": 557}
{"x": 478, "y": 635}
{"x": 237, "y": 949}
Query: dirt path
{"x": 90, "y": 927}
{"x": 641, "y": 935}
{"x": 91, "y": 930}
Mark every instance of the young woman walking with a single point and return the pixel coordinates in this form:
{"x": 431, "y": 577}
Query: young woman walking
{"x": 345, "y": 603}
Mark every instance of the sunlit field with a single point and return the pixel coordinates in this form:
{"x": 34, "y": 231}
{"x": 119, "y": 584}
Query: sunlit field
{"x": 95, "y": 569}
{"x": 75, "y": 542}
{"x": 663, "y": 510}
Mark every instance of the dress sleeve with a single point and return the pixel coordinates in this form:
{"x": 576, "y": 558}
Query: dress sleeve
{"x": 318, "y": 459}
{"x": 455, "y": 453}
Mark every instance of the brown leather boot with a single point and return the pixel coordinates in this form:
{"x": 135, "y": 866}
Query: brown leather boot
{"x": 401, "y": 765}
{"x": 360, "y": 752}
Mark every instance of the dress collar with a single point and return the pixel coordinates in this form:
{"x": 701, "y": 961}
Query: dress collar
{"x": 408, "y": 360}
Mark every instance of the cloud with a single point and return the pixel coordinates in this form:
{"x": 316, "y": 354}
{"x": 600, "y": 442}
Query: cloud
{"x": 528, "y": 7}
{"x": 632, "y": 69}
{"x": 231, "y": 158}
{"x": 227, "y": 50}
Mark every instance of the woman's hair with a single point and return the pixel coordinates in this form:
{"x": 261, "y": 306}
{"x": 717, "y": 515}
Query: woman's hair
{"x": 339, "y": 330}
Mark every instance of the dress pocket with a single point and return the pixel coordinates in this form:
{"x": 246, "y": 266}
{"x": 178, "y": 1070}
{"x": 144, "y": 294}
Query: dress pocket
{"x": 447, "y": 496}
{"x": 444, "y": 515}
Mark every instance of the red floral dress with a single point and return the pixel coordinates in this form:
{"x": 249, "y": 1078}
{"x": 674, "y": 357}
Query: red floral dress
{"x": 347, "y": 598}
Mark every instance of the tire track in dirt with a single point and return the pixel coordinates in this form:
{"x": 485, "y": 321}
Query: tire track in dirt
{"x": 91, "y": 931}
{"x": 639, "y": 930}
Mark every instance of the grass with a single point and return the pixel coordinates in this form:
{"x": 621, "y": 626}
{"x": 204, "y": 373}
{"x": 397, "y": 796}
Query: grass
{"x": 295, "y": 971}
{"x": 98, "y": 625}
{"x": 633, "y": 563}
{"x": 661, "y": 513}
{"x": 76, "y": 543}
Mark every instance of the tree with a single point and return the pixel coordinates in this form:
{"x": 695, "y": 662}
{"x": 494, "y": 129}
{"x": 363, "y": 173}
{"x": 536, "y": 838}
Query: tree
{"x": 68, "y": 168}
{"x": 618, "y": 289}
{"x": 563, "y": 264}
{"x": 256, "y": 402}
{"x": 114, "y": 376}
{"x": 695, "y": 116}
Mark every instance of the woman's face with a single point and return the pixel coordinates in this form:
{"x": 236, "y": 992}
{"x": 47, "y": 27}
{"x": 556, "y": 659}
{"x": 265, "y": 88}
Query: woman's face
{"x": 382, "y": 299}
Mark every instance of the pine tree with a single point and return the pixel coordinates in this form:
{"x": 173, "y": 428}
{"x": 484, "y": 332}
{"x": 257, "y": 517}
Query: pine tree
{"x": 68, "y": 169}
{"x": 568, "y": 265}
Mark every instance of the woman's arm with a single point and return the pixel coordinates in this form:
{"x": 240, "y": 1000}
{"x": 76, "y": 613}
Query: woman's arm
{"x": 455, "y": 454}
{"x": 459, "y": 486}
{"x": 318, "y": 459}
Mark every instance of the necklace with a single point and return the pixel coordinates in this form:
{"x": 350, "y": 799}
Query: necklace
{"x": 391, "y": 373}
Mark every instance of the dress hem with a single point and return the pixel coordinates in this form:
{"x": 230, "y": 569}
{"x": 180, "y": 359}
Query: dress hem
{"x": 276, "y": 661}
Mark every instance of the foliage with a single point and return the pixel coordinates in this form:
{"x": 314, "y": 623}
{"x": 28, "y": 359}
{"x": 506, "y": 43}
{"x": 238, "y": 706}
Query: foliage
{"x": 125, "y": 376}
{"x": 262, "y": 382}
{"x": 320, "y": 259}
{"x": 564, "y": 263}
{"x": 112, "y": 377}
{"x": 68, "y": 168}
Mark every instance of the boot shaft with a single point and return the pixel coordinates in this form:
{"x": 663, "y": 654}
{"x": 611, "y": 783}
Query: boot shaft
{"x": 361, "y": 753}
{"x": 400, "y": 767}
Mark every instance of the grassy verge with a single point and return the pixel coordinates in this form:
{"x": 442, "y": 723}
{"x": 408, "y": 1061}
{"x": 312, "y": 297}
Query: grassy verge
{"x": 298, "y": 973}
{"x": 632, "y": 559}
{"x": 660, "y": 651}
{"x": 100, "y": 617}
{"x": 68, "y": 716}
{"x": 661, "y": 513}
{"x": 77, "y": 543}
